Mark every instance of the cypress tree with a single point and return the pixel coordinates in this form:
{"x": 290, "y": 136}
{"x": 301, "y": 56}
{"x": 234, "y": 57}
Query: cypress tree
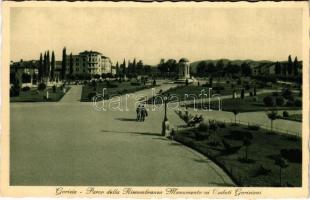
{"x": 44, "y": 65}
{"x": 295, "y": 66}
{"x": 40, "y": 71}
{"x": 53, "y": 66}
{"x": 63, "y": 64}
{"x": 48, "y": 65}
{"x": 289, "y": 66}
{"x": 71, "y": 64}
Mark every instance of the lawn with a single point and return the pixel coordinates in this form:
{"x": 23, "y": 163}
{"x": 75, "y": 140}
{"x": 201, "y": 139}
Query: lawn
{"x": 248, "y": 104}
{"x": 34, "y": 95}
{"x": 112, "y": 88}
{"x": 225, "y": 147}
{"x": 196, "y": 91}
{"x": 293, "y": 117}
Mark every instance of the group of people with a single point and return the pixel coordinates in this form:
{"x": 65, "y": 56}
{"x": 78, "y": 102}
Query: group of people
{"x": 141, "y": 113}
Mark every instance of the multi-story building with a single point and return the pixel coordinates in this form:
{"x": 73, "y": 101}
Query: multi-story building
{"x": 89, "y": 62}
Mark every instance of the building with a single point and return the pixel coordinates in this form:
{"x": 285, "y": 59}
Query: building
{"x": 264, "y": 69}
{"x": 89, "y": 62}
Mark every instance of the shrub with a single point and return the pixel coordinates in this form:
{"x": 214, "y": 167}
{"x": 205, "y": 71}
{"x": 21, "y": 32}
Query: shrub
{"x": 41, "y": 86}
{"x": 218, "y": 88}
{"x": 203, "y": 126}
{"x": 112, "y": 86}
{"x": 254, "y": 127}
{"x": 275, "y": 94}
{"x": 135, "y": 83}
{"x": 91, "y": 95}
{"x": 14, "y": 91}
{"x": 254, "y": 99}
{"x": 26, "y": 88}
{"x": 238, "y": 134}
{"x": 286, "y": 93}
{"x": 292, "y": 155}
{"x": 285, "y": 114}
{"x": 290, "y": 103}
{"x": 298, "y": 103}
{"x": 269, "y": 101}
{"x": 221, "y": 124}
{"x": 279, "y": 101}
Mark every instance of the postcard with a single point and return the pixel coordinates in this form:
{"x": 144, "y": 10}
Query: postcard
{"x": 155, "y": 100}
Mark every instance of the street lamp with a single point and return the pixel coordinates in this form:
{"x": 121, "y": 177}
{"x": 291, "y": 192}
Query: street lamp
{"x": 165, "y": 124}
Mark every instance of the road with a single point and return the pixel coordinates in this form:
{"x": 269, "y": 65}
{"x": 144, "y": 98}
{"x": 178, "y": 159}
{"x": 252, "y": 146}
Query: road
{"x": 72, "y": 143}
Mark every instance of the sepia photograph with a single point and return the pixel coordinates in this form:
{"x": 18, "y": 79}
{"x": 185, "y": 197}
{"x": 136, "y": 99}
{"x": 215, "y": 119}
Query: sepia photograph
{"x": 155, "y": 99}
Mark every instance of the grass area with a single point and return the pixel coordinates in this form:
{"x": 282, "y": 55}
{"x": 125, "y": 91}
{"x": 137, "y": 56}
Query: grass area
{"x": 34, "y": 95}
{"x": 195, "y": 90}
{"x": 112, "y": 88}
{"x": 293, "y": 117}
{"x": 225, "y": 147}
{"x": 248, "y": 104}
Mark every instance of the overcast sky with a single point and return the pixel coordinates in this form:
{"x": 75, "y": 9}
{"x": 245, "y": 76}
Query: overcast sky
{"x": 154, "y": 33}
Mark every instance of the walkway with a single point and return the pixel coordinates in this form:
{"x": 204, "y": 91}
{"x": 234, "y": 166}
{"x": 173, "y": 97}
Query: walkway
{"x": 73, "y": 95}
{"x": 74, "y": 144}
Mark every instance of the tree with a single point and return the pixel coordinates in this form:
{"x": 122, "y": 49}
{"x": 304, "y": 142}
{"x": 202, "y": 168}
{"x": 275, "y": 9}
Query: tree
{"x": 247, "y": 141}
{"x": 201, "y": 68}
{"x": 48, "y": 65}
{"x": 295, "y": 67}
{"x": 246, "y": 69}
{"x": 117, "y": 70}
{"x": 71, "y": 65}
{"x": 40, "y": 69}
{"x": 44, "y": 66}
{"x": 53, "y": 65}
{"x": 123, "y": 67}
{"x": 139, "y": 67}
{"x": 273, "y": 115}
{"x": 235, "y": 113}
{"x": 289, "y": 65}
{"x": 281, "y": 162}
{"x": 63, "y": 64}
{"x": 242, "y": 93}
{"x": 277, "y": 68}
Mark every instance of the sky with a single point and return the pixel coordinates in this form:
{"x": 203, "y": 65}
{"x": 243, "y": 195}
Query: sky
{"x": 150, "y": 34}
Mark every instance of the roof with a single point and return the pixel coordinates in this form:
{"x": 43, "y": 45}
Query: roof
{"x": 184, "y": 60}
{"x": 89, "y": 52}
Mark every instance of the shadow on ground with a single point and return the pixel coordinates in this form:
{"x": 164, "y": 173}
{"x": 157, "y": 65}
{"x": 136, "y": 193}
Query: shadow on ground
{"x": 135, "y": 133}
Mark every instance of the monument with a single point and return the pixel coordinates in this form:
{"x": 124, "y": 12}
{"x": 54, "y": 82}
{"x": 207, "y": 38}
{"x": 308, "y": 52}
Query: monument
{"x": 184, "y": 71}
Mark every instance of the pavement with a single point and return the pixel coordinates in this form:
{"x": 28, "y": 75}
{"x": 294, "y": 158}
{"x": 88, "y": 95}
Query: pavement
{"x": 73, "y": 143}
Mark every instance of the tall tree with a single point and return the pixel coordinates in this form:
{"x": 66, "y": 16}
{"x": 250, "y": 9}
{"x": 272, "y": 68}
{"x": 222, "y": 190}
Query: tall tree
{"x": 117, "y": 68}
{"x": 124, "y": 67}
{"x": 289, "y": 66}
{"x": 295, "y": 66}
{"x": 139, "y": 67}
{"x": 71, "y": 65}
{"x": 40, "y": 68}
{"x": 44, "y": 65}
{"x": 48, "y": 65}
{"x": 277, "y": 68}
{"x": 133, "y": 67}
{"x": 63, "y": 64}
{"x": 53, "y": 65}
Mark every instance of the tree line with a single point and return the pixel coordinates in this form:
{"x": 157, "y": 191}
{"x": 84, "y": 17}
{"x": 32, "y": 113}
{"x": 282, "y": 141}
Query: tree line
{"x": 132, "y": 69}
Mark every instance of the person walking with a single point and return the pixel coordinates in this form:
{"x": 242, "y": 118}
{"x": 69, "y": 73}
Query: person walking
{"x": 143, "y": 113}
{"x": 138, "y": 111}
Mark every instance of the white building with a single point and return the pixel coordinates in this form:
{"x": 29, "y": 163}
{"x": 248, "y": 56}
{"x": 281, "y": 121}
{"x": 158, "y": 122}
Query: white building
{"x": 89, "y": 62}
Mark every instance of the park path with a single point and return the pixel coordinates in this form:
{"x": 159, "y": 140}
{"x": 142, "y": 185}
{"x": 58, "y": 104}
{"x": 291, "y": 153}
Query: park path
{"x": 74, "y": 144}
{"x": 73, "y": 95}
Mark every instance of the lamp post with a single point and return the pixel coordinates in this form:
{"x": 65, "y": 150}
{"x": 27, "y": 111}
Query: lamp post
{"x": 165, "y": 124}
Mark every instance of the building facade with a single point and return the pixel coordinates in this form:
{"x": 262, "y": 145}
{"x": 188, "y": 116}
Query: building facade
{"x": 89, "y": 62}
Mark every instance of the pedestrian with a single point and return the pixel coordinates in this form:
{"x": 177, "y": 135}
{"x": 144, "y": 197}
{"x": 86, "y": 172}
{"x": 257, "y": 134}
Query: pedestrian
{"x": 143, "y": 113}
{"x": 138, "y": 111}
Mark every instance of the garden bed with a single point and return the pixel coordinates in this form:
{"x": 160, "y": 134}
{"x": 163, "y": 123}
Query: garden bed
{"x": 35, "y": 95}
{"x": 225, "y": 146}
